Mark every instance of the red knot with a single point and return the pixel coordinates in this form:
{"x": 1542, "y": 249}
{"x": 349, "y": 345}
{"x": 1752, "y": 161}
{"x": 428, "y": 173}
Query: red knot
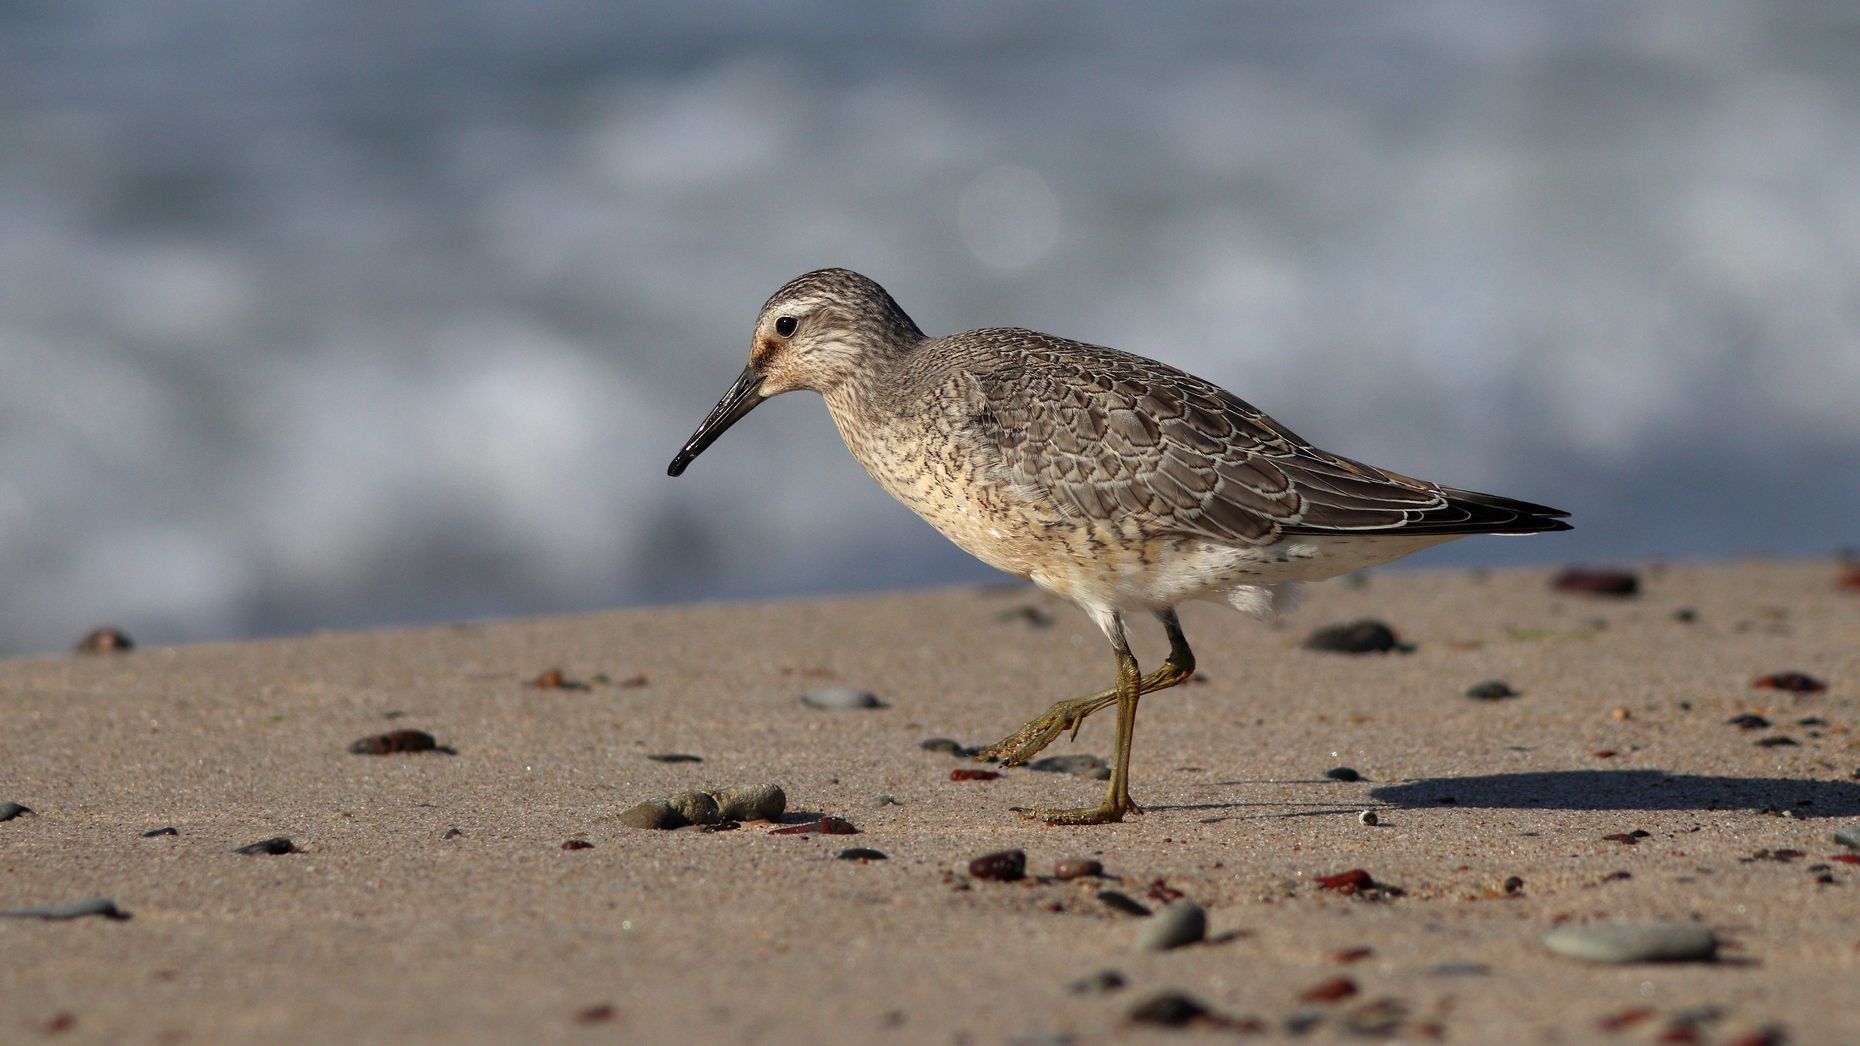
{"x": 1115, "y": 481}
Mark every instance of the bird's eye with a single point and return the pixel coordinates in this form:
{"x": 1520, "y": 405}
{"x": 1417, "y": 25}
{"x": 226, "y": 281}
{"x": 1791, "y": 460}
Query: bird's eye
{"x": 786, "y": 325}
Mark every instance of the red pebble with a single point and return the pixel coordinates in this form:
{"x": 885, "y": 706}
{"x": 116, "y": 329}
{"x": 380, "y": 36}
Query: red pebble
{"x": 1849, "y": 581}
{"x": 1330, "y": 991}
{"x": 1793, "y": 682}
{"x": 1625, "y": 1019}
{"x": 1350, "y": 955}
{"x": 1352, "y": 881}
{"x": 1846, "y": 858}
{"x": 824, "y": 826}
{"x": 973, "y": 775}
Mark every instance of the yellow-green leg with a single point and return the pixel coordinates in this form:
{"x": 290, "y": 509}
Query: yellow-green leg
{"x": 1042, "y": 730}
{"x": 1131, "y": 685}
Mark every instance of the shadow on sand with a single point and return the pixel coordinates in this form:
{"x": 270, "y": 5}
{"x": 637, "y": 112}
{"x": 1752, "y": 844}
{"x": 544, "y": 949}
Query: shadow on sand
{"x": 1628, "y": 790}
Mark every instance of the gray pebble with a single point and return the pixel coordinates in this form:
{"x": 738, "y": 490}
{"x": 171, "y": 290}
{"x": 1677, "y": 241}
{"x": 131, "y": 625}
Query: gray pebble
{"x": 943, "y": 744}
{"x": 8, "y": 811}
{"x": 1342, "y": 773}
{"x": 1122, "y": 901}
{"x": 1458, "y": 969}
{"x": 1634, "y": 942}
{"x": 764, "y": 802}
{"x": 841, "y": 698}
{"x": 695, "y": 807}
{"x": 1098, "y": 983}
{"x": 1080, "y": 764}
{"x": 1176, "y": 924}
{"x": 653, "y": 813}
{"x": 71, "y": 910}
{"x": 1491, "y": 690}
{"x": 1369, "y": 818}
{"x": 885, "y": 799}
{"x": 1848, "y": 837}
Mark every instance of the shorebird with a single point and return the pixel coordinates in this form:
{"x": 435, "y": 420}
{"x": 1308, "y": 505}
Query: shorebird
{"x": 1111, "y": 480}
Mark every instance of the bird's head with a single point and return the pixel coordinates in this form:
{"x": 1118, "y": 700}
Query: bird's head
{"x": 818, "y": 332}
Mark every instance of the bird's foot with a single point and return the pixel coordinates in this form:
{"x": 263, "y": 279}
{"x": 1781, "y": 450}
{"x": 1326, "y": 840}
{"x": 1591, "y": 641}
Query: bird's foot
{"x": 1106, "y": 812}
{"x": 1040, "y": 731}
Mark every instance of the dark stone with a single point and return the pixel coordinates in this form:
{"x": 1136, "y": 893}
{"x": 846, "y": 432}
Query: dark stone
{"x": 277, "y": 844}
{"x": 1357, "y": 637}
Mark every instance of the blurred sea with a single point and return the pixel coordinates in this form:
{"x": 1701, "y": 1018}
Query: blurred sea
{"x": 333, "y": 313}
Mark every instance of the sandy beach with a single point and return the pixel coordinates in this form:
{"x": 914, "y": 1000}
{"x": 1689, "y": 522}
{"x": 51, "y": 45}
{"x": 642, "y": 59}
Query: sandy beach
{"x": 431, "y": 897}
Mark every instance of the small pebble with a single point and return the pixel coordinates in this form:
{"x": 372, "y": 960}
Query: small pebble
{"x": 943, "y": 744}
{"x": 1634, "y": 942}
{"x": 577, "y": 844}
{"x": 652, "y": 813}
{"x": 277, "y": 844}
{"x": 1791, "y": 682}
{"x": 8, "y": 811}
{"x": 973, "y": 775}
{"x": 1121, "y": 901}
{"x": 1848, "y": 837}
{"x": 885, "y": 799}
{"x": 1342, "y": 773}
{"x": 104, "y": 641}
{"x": 1514, "y": 885}
{"x": 674, "y": 757}
{"x": 595, "y": 1014}
{"x": 1685, "y": 615}
{"x": 1081, "y": 764}
{"x": 396, "y": 741}
{"x": 1491, "y": 690}
{"x": 862, "y": 853}
{"x": 555, "y": 679}
{"x": 71, "y": 910}
{"x": 1596, "y": 582}
{"x": 165, "y": 830}
{"x": 1356, "y": 880}
{"x": 1458, "y": 969}
{"x": 1169, "y": 1009}
{"x": 1357, "y": 637}
{"x": 1173, "y": 925}
{"x": 1029, "y": 613}
{"x": 1002, "y": 866}
{"x": 1778, "y": 741}
{"x": 1369, "y": 818}
{"x": 1747, "y": 721}
{"x": 764, "y": 802}
{"x": 1100, "y": 983}
{"x": 841, "y": 699}
{"x": 695, "y": 807}
{"x": 1078, "y": 868}
{"x": 453, "y": 833}
{"x": 1333, "y": 990}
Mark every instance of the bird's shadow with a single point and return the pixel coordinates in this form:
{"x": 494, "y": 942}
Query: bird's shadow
{"x": 1626, "y": 790}
{"x": 1581, "y": 790}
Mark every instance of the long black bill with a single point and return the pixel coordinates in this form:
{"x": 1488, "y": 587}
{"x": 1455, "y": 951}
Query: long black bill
{"x": 740, "y": 400}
